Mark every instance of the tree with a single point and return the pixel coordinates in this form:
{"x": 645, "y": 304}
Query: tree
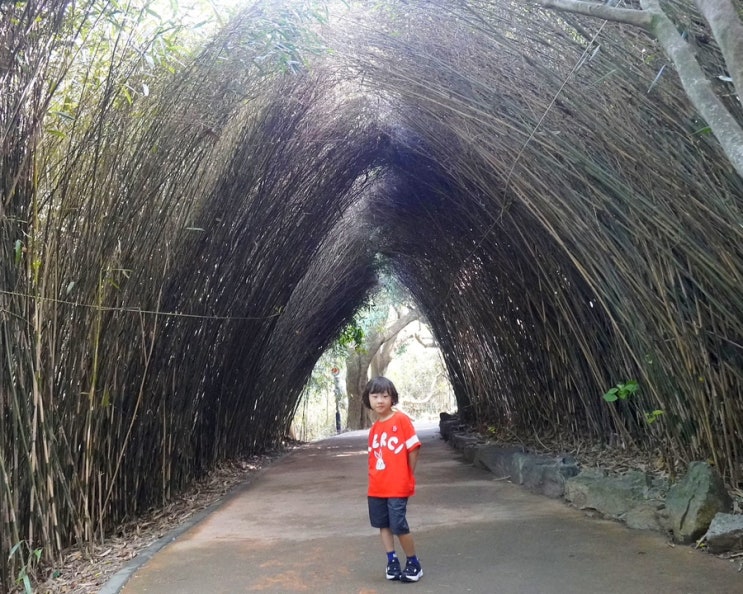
{"x": 374, "y": 351}
{"x": 370, "y": 342}
{"x": 727, "y": 30}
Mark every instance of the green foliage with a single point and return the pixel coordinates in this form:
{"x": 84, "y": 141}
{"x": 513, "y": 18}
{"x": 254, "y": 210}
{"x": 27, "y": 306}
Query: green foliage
{"x": 322, "y": 378}
{"x": 29, "y": 561}
{"x": 706, "y": 130}
{"x": 373, "y": 315}
{"x": 621, "y": 391}
{"x": 624, "y": 391}
{"x": 280, "y": 38}
{"x": 351, "y": 335}
{"x": 19, "y": 249}
{"x": 419, "y": 376}
{"x": 651, "y": 417}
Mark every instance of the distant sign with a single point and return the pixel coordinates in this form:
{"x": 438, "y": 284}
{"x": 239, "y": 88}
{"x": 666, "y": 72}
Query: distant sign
{"x": 335, "y": 371}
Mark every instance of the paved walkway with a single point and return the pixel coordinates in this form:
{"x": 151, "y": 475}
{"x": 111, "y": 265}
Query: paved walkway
{"x": 301, "y": 526}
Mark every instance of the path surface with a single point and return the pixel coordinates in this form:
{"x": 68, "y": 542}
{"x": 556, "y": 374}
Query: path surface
{"x": 301, "y": 526}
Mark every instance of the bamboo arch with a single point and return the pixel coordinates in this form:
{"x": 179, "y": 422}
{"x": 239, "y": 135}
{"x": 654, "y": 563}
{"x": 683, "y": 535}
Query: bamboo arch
{"x": 173, "y": 267}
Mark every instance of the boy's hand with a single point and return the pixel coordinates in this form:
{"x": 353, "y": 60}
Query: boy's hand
{"x": 413, "y": 458}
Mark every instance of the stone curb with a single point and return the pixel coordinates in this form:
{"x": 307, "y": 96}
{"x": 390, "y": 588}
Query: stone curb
{"x": 638, "y": 499}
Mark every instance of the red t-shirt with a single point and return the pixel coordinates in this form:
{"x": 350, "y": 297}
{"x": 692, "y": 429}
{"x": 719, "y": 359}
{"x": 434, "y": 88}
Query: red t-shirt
{"x": 389, "y": 443}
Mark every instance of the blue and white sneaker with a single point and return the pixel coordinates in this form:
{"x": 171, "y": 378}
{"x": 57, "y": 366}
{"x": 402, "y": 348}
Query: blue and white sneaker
{"x": 412, "y": 572}
{"x": 393, "y": 569}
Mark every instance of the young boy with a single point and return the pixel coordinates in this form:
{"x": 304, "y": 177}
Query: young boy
{"x": 393, "y": 452}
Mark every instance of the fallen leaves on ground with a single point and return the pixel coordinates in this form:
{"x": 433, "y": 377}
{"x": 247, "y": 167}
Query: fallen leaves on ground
{"x": 84, "y": 570}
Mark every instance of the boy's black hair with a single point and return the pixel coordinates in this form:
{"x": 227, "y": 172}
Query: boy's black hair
{"x": 379, "y": 385}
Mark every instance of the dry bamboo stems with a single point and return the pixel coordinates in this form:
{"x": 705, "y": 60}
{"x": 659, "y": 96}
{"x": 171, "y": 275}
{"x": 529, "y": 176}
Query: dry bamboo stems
{"x": 561, "y": 228}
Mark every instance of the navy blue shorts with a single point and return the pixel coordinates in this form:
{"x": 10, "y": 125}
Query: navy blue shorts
{"x": 389, "y": 513}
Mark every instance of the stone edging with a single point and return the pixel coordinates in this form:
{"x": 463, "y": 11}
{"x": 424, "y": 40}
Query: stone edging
{"x": 695, "y": 509}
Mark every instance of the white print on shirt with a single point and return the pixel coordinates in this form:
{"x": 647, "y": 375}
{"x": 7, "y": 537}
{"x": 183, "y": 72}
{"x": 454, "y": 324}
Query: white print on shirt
{"x": 390, "y": 442}
{"x": 380, "y": 461}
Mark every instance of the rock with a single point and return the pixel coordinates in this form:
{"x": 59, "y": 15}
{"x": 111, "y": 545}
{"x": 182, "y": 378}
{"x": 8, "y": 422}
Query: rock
{"x": 496, "y": 459}
{"x": 466, "y": 444}
{"x": 542, "y": 474}
{"x": 519, "y": 461}
{"x": 448, "y": 424}
{"x": 593, "y": 473}
{"x": 468, "y": 453}
{"x": 539, "y": 474}
{"x": 556, "y": 475}
{"x": 693, "y": 502}
{"x": 645, "y": 516}
{"x": 725, "y": 533}
{"x": 642, "y": 501}
{"x": 527, "y": 469}
{"x": 460, "y": 441}
{"x": 612, "y": 496}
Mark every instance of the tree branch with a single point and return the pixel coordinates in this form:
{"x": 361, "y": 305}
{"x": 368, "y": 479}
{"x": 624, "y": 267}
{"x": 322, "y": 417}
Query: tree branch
{"x": 429, "y": 345}
{"x": 638, "y": 18}
{"x": 397, "y": 326}
{"x": 698, "y": 88}
{"x": 728, "y": 32}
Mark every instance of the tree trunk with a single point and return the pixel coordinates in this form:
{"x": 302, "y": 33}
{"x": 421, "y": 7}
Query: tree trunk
{"x": 381, "y": 361}
{"x": 357, "y": 364}
{"x": 359, "y": 360}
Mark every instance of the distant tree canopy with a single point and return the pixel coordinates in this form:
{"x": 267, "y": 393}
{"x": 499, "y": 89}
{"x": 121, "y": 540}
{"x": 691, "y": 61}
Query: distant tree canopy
{"x": 183, "y": 233}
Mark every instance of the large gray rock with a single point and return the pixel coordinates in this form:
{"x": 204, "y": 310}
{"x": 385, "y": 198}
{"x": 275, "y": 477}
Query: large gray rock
{"x": 556, "y": 476}
{"x": 467, "y": 445}
{"x": 611, "y": 496}
{"x": 645, "y": 515}
{"x": 725, "y": 533}
{"x": 693, "y": 502}
{"x": 524, "y": 467}
{"x": 496, "y": 458}
{"x": 542, "y": 474}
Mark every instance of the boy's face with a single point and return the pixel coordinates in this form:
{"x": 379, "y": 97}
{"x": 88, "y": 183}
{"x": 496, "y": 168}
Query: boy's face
{"x": 381, "y": 403}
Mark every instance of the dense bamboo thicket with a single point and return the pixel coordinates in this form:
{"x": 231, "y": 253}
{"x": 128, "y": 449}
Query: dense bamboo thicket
{"x": 176, "y": 260}
{"x": 566, "y": 225}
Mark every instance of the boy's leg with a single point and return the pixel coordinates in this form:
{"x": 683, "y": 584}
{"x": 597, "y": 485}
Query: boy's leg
{"x": 388, "y": 541}
{"x": 413, "y": 571}
{"x": 379, "y": 516}
{"x": 400, "y": 528}
{"x": 393, "y": 571}
{"x": 407, "y": 544}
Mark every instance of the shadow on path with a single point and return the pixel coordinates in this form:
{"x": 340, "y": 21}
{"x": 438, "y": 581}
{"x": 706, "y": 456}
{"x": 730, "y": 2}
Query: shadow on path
{"x": 301, "y": 526}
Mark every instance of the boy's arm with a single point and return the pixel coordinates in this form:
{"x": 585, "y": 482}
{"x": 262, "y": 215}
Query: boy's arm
{"x": 413, "y": 458}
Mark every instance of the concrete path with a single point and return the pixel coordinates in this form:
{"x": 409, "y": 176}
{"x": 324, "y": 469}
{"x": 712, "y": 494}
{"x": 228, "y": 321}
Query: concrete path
{"x": 301, "y": 526}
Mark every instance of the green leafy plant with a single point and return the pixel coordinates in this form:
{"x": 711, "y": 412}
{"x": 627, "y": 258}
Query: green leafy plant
{"x": 651, "y": 417}
{"x": 28, "y": 563}
{"x": 352, "y": 334}
{"x": 624, "y": 391}
{"x": 621, "y": 391}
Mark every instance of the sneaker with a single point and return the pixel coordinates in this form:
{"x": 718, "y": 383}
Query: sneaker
{"x": 412, "y": 573}
{"x": 393, "y": 570}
